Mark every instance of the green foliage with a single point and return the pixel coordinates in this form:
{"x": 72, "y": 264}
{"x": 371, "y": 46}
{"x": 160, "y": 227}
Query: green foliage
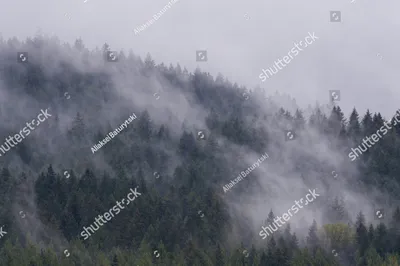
{"x": 165, "y": 218}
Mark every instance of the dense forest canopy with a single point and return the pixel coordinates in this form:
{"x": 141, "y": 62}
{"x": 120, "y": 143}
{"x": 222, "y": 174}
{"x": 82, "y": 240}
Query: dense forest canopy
{"x": 194, "y": 168}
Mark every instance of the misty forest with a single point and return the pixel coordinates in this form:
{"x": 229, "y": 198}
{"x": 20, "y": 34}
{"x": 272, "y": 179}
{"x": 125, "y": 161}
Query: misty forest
{"x": 193, "y": 134}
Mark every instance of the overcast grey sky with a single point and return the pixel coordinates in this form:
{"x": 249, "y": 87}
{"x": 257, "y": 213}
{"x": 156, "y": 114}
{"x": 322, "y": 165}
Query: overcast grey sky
{"x": 343, "y": 58}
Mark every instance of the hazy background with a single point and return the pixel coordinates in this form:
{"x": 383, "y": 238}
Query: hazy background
{"x": 241, "y": 38}
{"x": 345, "y": 56}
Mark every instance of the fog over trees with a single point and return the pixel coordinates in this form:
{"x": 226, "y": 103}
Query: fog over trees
{"x": 194, "y": 133}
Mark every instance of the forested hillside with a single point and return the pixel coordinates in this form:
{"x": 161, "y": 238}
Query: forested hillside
{"x": 188, "y": 136}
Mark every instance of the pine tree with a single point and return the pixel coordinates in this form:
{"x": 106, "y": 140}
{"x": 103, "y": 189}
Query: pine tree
{"x": 115, "y": 261}
{"x": 312, "y": 238}
{"x": 381, "y": 239}
{"x": 337, "y": 213}
{"x": 287, "y": 233}
{"x": 361, "y": 234}
{"x": 282, "y": 253}
{"x": 367, "y": 124}
{"x": 79, "y": 45}
{"x": 372, "y": 257}
{"x": 149, "y": 62}
{"x": 270, "y": 218}
{"x": 77, "y": 131}
{"x": 354, "y": 127}
{"x": 318, "y": 120}
{"x": 294, "y": 243}
{"x": 320, "y": 259}
{"x": 360, "y": 220}
{"x": 219, "y": 256}
{"x": 302, "y": 258}
{"x": 371, "y": 233}
{"x": 272, "y": 244}
{"x": 377, "y": 121}
{"x": 394, "y": 230}
{"x": 336, "y": 121}
{"x": 264, "y": 259}
{"x": 299, "y": 121}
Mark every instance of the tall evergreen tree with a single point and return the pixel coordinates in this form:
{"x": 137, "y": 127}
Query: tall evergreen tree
{"x": 367, "y": 124}
{"x": 361, "y": 234}
{"x": 219, "y": 256}
{"x": 312, "y": 238}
